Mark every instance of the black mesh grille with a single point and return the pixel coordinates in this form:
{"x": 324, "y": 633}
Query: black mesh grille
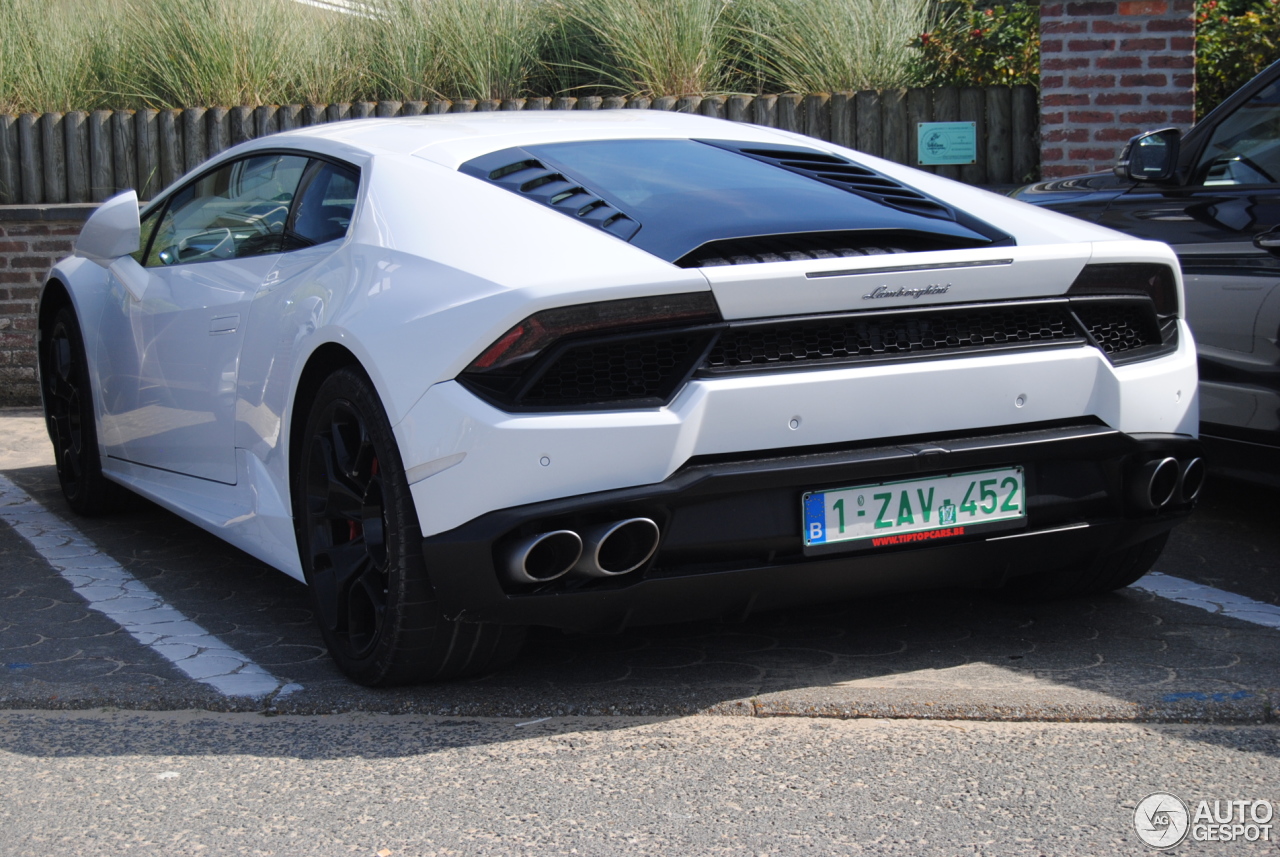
{"x": 889, "y": 335}
{"x": 1120, "y": 327}
{"x": 640, "y": 368}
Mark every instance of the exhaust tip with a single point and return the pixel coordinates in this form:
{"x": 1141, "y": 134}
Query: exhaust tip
{"x": 618, "y": 548}
{"x": 543, "y": 557}
{"x": 1191, "y": 480}
{"x": 1156, "y": 483}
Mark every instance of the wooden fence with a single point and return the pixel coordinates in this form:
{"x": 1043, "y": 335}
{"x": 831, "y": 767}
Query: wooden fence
{"x": 87, "y": 157}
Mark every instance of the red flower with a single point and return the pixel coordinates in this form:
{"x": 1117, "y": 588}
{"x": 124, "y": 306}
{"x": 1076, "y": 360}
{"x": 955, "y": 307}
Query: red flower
{"x": 924, "y": 38}
{"x": 991, "y": 12}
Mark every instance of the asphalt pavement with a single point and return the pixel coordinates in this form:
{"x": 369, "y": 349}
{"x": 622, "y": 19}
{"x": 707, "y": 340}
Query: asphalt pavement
{"x": 1127, "y": 656}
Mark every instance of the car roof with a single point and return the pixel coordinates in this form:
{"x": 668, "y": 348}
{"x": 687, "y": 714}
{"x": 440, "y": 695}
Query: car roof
{"x": 454, "y": 138}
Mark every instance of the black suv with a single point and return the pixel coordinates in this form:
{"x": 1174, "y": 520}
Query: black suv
{"x": 1214, "y": 196}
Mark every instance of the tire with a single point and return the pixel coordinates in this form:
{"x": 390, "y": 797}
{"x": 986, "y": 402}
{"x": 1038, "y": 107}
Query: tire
{"x": 361, "y": 551}
{"x": 1107, "y": 573}
{"x": 69, "y": 415}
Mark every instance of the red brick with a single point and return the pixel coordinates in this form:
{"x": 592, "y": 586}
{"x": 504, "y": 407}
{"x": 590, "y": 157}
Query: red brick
{"x": 1064, "y": 99}
{"x": 1087, "y": 45}
{"x": 1144, "y": 7}
{"x": 1050, "y": 155}
{"x": 1071, "y": 135}
{"x": 30, "y": 261}
{"x": 1179, "y": 99}
{"x": 51, "y": 246}
{"x": 1184, "y": 61}
{"x": 1171, "y": 25}
{"x": 1115, "y": 135}
{"x": 1091, "y": 8}
{"x": 74, "y": 229}
{"x": 1182, "y": 43}
{"x": 1108, "y": 99}
{"x": 1186, "y": 7}
{"x": 1050, "y": 46}
{"x": 1061, "y": 171}
{"x": 1050, "y": 11}
{"x": 1092, "y": 81}
{"x": 1102, "y": 25}
{"x": 1091, "y": 117}
{"x": 13, "y": 246}
{"x": 24, "y": 323}
{"x": 15, "y": 276}
{"x": 1144, "y": 80}
{"x": 1184, "y": 81}
{"x": 1092, "y": 154}
{"x": 1052, "y": 118}
{"x": 22, "y": 293}
{"x": 1051, "y": 82}
{"x": 1119, "y": 62}
{"x": 1063, "y": 26}
{"x": 19, "y": 229}
{"x": 1072, "y": 64}
{"x": 1182, "y": 117}
{"x": 1144, "y": 117}
{"x": 1143, "y": 44}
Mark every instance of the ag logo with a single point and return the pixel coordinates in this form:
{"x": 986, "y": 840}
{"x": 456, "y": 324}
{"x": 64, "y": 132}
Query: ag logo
{"x": 1161, "y": 820}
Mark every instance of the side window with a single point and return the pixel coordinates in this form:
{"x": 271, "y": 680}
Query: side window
{"x": 148, "y": 226}
{"x": 236, "y": 211}
{"x": 326, "y": 202}
{"x": 1245, "y": 147}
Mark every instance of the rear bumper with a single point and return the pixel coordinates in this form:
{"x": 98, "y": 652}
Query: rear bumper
{"x": 731, "y": 530}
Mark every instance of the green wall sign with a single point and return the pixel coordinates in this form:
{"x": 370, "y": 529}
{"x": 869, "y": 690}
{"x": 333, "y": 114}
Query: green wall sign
{"x": 946, "y": 143}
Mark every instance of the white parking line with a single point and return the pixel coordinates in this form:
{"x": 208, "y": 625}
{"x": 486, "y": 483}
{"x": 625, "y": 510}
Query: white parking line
{"x": 128, "y": 602}
{"x": 1208, "y": 598}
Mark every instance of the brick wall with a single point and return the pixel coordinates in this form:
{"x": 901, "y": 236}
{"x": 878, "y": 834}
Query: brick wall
{"x": 32, "y": 238}
{"x": 1108, "y": 71}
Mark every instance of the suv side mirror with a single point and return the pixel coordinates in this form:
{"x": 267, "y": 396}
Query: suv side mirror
{"x": 1150, "y": 157}
{"x": 112, "y": 231}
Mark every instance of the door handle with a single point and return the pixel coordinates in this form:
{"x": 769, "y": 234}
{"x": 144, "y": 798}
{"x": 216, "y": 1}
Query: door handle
{"x": 1269, "y": 241}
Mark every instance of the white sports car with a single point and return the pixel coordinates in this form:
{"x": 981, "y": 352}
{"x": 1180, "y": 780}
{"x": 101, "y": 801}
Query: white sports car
{"x": 465, "y": 374}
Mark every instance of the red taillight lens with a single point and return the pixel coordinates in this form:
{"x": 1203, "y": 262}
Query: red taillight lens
{"x": 535, "y": 333}
{"x": 1125, "y": 278}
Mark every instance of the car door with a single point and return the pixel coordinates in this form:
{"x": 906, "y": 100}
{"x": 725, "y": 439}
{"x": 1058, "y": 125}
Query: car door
{"x": 1232, "y": 285}
{"x": 170, "y": 387}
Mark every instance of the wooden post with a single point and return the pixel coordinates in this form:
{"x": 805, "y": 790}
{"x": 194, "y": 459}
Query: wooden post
{"x": 53, "y": 146}
{"x": 817, "y": 115}
{"x": 339, "y": 111}
{"x": 195, "y": 146}
{"x": 639, "y": 102}
{"x": 264, "y": 120}
{"x": 870, "y": 131}
{"x": 363, "y": 109}
{"x": 613, "y": 102}
{"x": 666, "y": 102}
{"x": 75, "y": 130}
{"x": 1025, "y": 124}
{"x": 893, "y": 106}
{"x": 713, "y": 106}
{"x": 314, "y": 114}
{"x": 289, "y": 116}
{"x": 463, "y": 105}
{"x": 488, "y": 105}
{"x": 217, "y": 122}
{"x": 766, "y": 111}
{"x": 171, "y": 158}
{"x": 123, "y": 151}
{"x": 791, "y": 112}
{"x": 240, "y": 125}
{"x": 590, "y": 102}
{"x": 10, "y": 162}
{"x": 563, "y": 102}
{"x": 512, "y": 104}
{"x": 738, "y": 108}
{"x": 842, "y": 119}
{"x": 145, "y": 132}
{"x": 413, "y": 108}
{"x": 999, "y": 135}
{"x": 31, "y": 159}
{"x": 973, "y": 109}
{"x": 386, "y": 109}
{"x": 919, "y": 109}
{"x": 101, "y": 158}
{"x": 688, "y": 103}
{"x": 946, "y": 108}
{"x": 439, "y": 105}
{"x": 543, "y": 103}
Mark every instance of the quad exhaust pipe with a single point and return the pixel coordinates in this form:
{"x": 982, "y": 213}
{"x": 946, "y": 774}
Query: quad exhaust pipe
{"x": 604, "y": 550}
{"x": 1162, "y": 481}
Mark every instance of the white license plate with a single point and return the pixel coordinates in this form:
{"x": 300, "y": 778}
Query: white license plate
{"x": 915, "y": 510}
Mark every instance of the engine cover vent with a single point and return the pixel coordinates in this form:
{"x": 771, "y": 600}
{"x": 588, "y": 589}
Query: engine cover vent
{"x": 800, "y": 246}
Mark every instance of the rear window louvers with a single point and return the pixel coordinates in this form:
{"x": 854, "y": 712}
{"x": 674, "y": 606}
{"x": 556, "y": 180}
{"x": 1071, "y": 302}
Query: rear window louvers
{"x": 815, "y": 245}
{"x": 846, "y": 175}
{"x": 534, "y": 180}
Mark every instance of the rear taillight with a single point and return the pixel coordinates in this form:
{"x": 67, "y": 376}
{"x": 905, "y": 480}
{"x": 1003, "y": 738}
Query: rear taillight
{"x": 610, "y": 353}
{"x": 1153, "y": 280}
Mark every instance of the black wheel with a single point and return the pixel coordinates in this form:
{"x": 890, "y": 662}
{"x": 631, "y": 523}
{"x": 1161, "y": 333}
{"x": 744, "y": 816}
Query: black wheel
{"x": 68, "y": 412}
{"x": 1107, "y": 573}
{"x": 361, "y": 551}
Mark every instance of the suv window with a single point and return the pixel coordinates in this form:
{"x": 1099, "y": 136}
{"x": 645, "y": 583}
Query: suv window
{"x": 1245, "y": 147}
{"x": 236, "y": 211}
{"x": 326, "y": 201}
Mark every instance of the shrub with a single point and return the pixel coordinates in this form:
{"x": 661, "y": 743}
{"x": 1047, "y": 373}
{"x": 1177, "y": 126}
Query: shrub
{"x": 976, "y": 44}
{"x": 1235, "y": 39}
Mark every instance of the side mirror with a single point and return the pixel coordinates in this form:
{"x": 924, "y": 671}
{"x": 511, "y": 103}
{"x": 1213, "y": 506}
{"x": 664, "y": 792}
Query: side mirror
{"x": 114, "y": 230}
{"x": 1150, "y": 157}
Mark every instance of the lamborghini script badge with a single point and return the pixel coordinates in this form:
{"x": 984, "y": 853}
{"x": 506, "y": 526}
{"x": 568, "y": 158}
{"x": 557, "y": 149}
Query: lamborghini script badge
{"x": 902, "y": 292}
